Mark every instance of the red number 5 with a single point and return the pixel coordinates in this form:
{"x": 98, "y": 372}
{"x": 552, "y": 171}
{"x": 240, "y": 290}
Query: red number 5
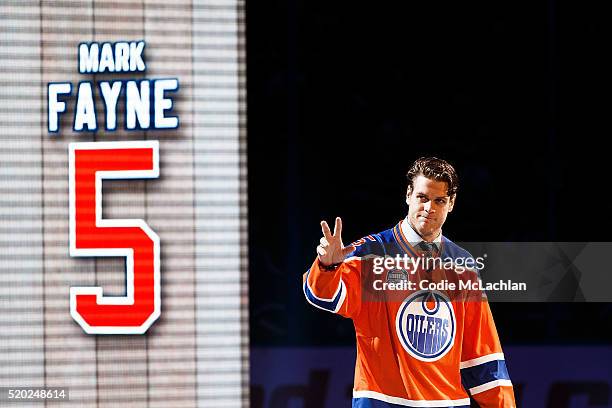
{"x": 90, "y": 235}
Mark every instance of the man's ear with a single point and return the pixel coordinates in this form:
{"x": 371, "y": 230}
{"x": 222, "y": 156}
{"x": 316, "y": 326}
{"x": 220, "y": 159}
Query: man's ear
{"x": 452, "y": 202}
{"x": 408, "y": 192}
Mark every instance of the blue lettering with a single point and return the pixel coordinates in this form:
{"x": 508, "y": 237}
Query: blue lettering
{"x": 438, "y": 334}
{"x": 419, "y": 338}
{"x": 429, "y": 336}
{"x": 444, "y": 330}
{"x": 410, "y": 327}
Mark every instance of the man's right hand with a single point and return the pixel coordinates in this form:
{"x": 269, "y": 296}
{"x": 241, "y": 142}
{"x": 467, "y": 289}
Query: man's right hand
{"x": 331, "y": 250}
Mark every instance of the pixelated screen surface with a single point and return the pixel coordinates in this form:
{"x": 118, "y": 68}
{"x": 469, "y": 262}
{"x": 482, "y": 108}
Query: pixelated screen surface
{"x": 196, "y": 351}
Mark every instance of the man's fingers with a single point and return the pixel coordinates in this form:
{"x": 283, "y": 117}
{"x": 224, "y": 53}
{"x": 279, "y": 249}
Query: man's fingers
{"x": 321, "y": 251}
{"x": 347, "y": 250}
{"x": 326, "y": 231}
{"x": 338, "y": 227}
{"x": 324, "y": 242}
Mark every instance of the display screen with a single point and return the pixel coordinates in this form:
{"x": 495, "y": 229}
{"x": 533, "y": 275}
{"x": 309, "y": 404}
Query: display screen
{"x": 168, "y": 325}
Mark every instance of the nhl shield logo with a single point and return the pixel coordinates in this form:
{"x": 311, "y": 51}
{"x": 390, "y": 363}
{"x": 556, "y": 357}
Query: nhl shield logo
{"x": 425, "y": 325}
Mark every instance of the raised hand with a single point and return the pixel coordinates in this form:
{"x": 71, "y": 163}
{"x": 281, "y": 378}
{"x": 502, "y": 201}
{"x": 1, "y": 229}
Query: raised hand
{"x": 331, "y": 250}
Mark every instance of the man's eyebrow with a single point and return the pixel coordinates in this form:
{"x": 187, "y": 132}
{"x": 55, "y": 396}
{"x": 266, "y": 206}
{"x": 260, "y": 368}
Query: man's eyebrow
{"x": 423, "y": 194}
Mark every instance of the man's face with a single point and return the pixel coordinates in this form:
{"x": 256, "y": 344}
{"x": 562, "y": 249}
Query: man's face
{"x": 428, "y": 206}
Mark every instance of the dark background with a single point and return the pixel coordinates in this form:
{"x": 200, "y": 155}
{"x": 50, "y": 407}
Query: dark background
{"x": 344, "y": 95}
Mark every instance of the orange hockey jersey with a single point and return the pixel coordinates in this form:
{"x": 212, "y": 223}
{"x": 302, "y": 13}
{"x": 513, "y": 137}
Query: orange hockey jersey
{"x": 416, "y": 346}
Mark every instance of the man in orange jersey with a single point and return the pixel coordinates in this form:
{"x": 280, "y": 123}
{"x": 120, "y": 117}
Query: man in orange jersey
{"x": 415, "y": 347}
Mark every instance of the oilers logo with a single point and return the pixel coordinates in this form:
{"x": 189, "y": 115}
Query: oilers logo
{"x": 425, "y": 325}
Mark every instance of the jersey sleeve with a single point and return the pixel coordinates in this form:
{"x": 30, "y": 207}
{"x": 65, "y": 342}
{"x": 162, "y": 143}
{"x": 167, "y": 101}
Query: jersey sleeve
{"x": 339, "y": 291}
{"x": 483, "y": 367}
{"x": 336, "y": 291}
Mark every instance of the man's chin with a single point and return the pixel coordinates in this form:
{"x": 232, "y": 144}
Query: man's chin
{"x": 424, "y": 228}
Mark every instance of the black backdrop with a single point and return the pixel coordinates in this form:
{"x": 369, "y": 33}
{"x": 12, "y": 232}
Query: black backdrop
{"x": 344, "y": 95}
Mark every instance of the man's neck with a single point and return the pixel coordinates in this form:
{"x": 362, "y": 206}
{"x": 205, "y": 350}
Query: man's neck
{"x": 428, "y": 238}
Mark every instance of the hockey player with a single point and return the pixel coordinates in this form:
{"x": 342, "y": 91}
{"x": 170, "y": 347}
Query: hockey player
{"x": 419, "y": 348}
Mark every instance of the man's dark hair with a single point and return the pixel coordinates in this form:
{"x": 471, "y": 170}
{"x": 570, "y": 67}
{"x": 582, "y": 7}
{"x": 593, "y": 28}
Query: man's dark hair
{"x": 435, "y": 169}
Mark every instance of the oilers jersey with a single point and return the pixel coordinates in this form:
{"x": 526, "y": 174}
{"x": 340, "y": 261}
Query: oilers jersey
{"x": 416, "y": 346}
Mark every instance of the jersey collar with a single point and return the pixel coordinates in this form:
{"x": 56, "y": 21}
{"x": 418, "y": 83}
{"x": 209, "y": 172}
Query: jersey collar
{"x": 414, "y": 238}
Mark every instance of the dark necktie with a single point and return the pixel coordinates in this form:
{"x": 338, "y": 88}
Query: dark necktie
{"x": 429, "y": 250}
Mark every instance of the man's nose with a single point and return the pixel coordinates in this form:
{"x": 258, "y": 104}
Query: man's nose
{"x": 427, "y": 206}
